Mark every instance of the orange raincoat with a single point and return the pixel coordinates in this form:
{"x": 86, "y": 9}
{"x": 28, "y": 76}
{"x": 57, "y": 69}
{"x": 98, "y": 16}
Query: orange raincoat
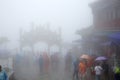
{"x": 82, "y": 68}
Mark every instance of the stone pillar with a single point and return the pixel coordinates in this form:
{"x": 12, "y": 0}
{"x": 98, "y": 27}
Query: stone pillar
{"x": 49, "y": 46}
{"x": 20, "y": 41}
{"x": 32, "y": 48}
{"x": 60, "y": 40}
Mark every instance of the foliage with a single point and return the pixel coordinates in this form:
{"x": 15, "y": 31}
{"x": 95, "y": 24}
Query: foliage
{"x": 4, "y": 40}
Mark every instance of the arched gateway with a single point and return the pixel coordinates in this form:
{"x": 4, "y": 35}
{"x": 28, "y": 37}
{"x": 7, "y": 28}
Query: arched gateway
{"x": 40, "y": 34}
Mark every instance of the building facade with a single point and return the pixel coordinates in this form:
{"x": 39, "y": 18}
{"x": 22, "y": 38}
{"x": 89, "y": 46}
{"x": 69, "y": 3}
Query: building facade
{"x": 106, "y": 14}
{"x": 106, "y": 22}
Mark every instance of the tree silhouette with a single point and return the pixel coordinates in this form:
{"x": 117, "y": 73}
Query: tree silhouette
{"x": 3, "y": 40}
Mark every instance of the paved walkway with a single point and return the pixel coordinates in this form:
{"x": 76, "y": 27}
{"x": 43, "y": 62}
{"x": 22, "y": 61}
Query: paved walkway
{"x": 29, "y": 70}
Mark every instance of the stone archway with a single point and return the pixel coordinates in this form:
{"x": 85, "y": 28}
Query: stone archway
{"x": 40, "y": 34}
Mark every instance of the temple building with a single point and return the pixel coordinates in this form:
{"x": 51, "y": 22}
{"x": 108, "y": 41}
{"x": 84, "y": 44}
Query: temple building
{"x": 103, "y": 37}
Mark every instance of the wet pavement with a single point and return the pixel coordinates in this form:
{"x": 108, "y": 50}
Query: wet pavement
{"x": 29, "y": 70}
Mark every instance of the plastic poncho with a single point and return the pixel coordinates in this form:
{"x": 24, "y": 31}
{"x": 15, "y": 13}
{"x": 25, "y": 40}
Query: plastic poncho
{"x": 117, "y": 70}
{"x": 3, "y": 75}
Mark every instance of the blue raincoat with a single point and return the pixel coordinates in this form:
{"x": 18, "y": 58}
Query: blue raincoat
{"x": 3, "y": 75}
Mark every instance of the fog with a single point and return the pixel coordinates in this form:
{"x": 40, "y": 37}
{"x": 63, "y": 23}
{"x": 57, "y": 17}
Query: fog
{"x": 70, "y": 15}
{"x": 65, "y": 15}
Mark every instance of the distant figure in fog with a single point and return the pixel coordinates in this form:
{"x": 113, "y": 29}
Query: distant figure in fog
{"x": 46, "y": 62}
{"x": 76, "y": 69}
{"x": 105, "y": 67}
{"x": 68, "y": 62}
{"x": 41, "y": 63}
{"x": 55, "y": 62}
{"x": 98, "y": 71}
{"x": 3, "y": 74}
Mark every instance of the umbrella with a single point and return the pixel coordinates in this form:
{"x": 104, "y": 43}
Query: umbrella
{"x": 85, "y": 56}
{"x": 88, "y": 58}
{"x": 101, "y": 58}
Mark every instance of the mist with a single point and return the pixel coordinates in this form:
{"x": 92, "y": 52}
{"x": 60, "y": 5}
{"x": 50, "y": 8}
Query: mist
{"x": 70, "y": 15}
{"x": 65, "y": 16}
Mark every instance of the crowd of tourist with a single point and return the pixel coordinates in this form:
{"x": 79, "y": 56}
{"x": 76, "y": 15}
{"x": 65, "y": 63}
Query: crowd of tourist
{"x": 87, "y": 69}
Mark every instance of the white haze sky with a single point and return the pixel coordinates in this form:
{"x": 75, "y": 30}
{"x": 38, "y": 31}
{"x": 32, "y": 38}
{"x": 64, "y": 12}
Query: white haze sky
{"x": 70, "y": 15}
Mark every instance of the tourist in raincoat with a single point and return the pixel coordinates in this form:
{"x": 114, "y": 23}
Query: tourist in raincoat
{"x": 98, "y": 71}
{"x": 76, "y": 69}
{"x": 3, "y": 74}
{"x": 82, "y": 70}
{"x": 117, "y": 73}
